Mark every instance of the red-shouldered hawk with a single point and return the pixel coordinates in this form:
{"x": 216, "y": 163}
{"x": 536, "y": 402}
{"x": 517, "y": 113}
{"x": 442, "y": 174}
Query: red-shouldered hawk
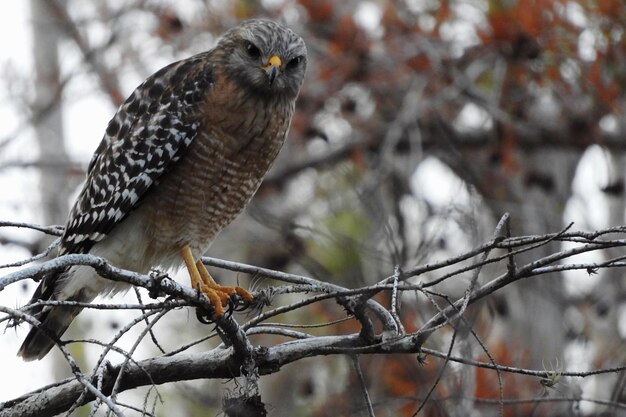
{"x": 179, "y": 161}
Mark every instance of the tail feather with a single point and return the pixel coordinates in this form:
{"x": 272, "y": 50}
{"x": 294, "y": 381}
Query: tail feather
{"x": 54, "y": 321}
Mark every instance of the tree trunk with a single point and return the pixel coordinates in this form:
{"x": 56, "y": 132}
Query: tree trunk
{"x": 53, "y": 159}
{"x": 53, "y": 188}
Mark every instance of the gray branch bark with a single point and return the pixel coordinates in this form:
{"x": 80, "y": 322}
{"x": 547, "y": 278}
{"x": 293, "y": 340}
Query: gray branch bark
{"x": 227, "y": 361}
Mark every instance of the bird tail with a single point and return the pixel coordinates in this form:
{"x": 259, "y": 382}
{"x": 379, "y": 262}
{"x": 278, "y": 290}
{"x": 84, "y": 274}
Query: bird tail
{"x": 54, "y": 319}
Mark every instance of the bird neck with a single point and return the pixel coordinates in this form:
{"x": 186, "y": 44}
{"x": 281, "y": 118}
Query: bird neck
{"x": 237, "y": 112}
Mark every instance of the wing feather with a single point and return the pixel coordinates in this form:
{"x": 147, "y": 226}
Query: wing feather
{"x": 150, "y": 132}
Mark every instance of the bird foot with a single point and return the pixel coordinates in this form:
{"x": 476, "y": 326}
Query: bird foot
{"x": 220, "y": 296}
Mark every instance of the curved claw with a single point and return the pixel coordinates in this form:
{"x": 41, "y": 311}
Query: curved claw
{"x": 219, "y": 296}
{"x": 204, "y": 316}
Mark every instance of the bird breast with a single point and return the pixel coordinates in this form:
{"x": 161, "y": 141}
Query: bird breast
{"x": 218, "y": 175}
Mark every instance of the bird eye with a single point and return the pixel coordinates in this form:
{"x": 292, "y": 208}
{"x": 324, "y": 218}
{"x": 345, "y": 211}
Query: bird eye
{"x": 253, "y": 50}
{"x": 294, "y": 62}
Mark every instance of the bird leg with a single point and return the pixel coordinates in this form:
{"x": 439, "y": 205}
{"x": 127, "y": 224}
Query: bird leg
{"x": 202, "y": 281}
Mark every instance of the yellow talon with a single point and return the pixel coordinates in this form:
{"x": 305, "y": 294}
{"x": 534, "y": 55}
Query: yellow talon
{"x": 202, "y": 281}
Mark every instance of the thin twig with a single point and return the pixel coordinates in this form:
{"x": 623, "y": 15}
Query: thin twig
{"x": 55, "y": 230}
{"x": 366, "y": 395}
{"x": 152, "y": 335}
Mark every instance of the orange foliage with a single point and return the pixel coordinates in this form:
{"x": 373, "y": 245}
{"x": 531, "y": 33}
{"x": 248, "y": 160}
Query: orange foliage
{"x": 508, "y": 150}
{"x": 529, "y": 16}
{"x": 392, "y": 22}
{"x": 606, "y": 90}
{"x": 420, "y": 63}
{"x": 610, "y": 7}
{"x": 522, "y": 25}
{"x": 348, "y": 36}
{"x": 513, "y": 386}
{"x": 318, "y": 10}
{"x": 404, "y": 377}
{"x": 442, "y": 15}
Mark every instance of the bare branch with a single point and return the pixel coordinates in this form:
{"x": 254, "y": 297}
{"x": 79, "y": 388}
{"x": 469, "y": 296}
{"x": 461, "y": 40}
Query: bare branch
{"x": 226, "y": 361}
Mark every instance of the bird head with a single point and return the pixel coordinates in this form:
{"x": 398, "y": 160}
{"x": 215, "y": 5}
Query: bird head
{"x": 265, "y": 57}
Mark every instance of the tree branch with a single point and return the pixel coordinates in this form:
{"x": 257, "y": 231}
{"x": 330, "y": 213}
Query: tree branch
{"x": 226, "y": 361}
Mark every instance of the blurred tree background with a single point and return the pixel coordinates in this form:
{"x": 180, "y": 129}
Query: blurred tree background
{"x": 419, "y": 125}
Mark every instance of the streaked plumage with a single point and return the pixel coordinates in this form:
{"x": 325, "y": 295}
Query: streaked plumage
{"x": 179, "y": 161}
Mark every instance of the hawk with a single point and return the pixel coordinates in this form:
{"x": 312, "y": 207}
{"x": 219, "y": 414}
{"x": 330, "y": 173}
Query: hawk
{"x": 181, "y": 158}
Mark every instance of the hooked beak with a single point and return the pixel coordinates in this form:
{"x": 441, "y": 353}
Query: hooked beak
{"x": 274, "y": 64}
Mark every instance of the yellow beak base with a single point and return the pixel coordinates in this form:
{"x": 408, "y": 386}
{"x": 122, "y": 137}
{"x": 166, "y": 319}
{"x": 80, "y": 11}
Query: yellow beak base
{"x": 274, "y": 64}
